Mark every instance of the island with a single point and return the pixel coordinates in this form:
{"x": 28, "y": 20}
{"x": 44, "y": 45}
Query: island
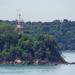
{"x": 28, "y": 48}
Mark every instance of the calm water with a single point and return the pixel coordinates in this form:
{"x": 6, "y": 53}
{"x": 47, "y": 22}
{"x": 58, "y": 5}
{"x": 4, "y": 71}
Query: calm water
{"x": 41, "y": 69}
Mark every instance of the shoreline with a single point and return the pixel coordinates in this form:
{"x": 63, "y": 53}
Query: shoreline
{"x": 28, "y": 63}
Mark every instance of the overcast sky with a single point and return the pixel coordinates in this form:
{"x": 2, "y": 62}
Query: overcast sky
{"x": 37, "y": 10}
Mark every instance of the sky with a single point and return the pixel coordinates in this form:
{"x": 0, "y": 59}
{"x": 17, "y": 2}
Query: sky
{"x": 37, "y": 10}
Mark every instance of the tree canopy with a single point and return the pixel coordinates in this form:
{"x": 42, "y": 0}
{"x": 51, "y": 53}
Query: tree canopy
{"x": 26, "y": 47}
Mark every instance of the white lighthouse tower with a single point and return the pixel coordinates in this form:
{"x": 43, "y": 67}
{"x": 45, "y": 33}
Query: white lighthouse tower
{"x": 20, "y": 24}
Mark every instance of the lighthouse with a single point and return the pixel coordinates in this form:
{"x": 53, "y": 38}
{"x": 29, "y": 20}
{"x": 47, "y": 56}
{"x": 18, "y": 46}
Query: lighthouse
{"x": 20, "y": 24}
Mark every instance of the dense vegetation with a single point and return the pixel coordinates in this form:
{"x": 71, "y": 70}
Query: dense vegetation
{"x": 27, "y": 47}
{"x": 63, "y": 31}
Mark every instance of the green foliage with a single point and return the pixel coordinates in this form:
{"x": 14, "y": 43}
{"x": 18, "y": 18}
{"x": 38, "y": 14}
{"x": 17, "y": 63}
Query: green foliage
{"x": 25, "y": 47}
{"x": 29, "y": 46}
{"x": 63, "y": 31}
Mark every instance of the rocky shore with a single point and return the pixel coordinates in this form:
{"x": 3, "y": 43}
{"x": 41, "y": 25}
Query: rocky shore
{"x": 36, "y": 61}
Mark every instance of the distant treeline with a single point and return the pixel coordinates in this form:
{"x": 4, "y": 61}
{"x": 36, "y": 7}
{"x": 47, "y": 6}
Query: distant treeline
{"x": 63, "y": 31}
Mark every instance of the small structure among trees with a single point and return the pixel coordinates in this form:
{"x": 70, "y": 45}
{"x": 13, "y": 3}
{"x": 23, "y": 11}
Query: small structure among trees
{"x": 20, "y": 25}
